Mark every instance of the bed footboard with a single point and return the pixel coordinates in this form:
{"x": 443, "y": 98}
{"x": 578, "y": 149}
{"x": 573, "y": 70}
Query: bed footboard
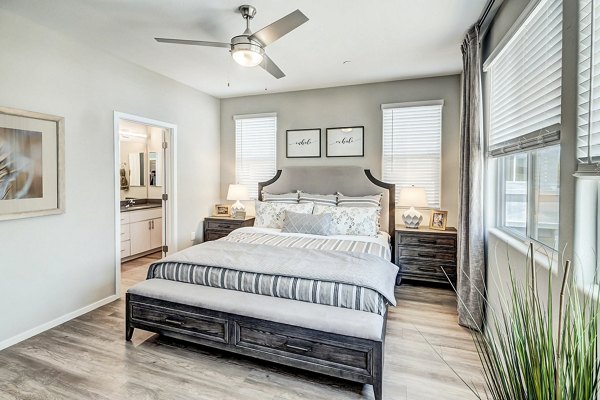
{"x": 346, "y": 357}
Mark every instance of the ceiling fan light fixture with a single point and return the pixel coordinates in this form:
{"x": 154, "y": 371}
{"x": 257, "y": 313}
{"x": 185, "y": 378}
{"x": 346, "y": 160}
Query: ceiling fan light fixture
{"x": 246, "y": 53}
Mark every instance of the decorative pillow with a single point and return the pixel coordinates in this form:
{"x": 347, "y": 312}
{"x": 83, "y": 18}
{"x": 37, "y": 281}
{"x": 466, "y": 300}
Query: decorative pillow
{"x": 307, "y": 223}
{"x": 287, "y": 198}
{"x": 360, "y": 201}
{"x": 322, "y": 199}
{"x": 363, "y": 221}
{"x": 271, "y": 215}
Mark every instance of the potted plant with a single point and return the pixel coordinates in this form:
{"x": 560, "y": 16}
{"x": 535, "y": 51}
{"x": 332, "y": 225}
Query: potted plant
{"x": 528, "y": 352}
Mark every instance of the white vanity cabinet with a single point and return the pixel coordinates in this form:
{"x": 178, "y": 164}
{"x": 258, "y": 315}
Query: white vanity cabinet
{"x": 141, "y": 232}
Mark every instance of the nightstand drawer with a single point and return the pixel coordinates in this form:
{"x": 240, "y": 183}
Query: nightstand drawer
{"x": 427, "y": 240}
{"x": 225, "y": 225}
{"x": 214, "y": 235}
{"x": 431, "y": 272}
{"x": 407, "y": 253}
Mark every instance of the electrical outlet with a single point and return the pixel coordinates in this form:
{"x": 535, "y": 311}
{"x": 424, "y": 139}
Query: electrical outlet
{"x": 193, "y": 236}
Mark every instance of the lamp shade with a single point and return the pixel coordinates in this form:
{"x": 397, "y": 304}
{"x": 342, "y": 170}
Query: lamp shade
{"x": 412, "y": 197}
{"x": 237, "y": 192}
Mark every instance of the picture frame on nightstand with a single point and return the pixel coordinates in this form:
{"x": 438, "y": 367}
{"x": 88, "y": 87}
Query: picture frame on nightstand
{"x": 438, "y": 220}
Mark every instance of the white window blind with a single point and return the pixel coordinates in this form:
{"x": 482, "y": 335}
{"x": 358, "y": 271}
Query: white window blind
{"x": 525, "y": 78}
{"x": 255, "y": 150}
{"x": 412, "y": 144}
{"x": 588, "y": 125}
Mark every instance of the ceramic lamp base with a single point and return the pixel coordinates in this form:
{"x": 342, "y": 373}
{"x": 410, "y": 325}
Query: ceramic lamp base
{"x": 412, "y": 218}
{"x": 238, "y": 211}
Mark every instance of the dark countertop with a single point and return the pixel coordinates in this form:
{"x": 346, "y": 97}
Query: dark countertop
{"x": 141, "y": 204}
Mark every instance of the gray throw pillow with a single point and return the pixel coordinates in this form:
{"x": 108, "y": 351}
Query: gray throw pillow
{"x": 307, "y": 223}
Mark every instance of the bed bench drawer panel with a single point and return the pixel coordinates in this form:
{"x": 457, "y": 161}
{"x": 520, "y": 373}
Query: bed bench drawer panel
{"x": 203, "y": 326}
{"x": 338, "y": 354}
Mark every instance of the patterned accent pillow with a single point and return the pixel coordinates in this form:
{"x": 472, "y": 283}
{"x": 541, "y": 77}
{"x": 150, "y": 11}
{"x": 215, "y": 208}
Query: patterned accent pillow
{"x": 287, "y": 198}
{"x": 363, "y": 221}
{"x": 373, "y": 200}
{"x": 271, "y": 215}
{"x": 322, "y": 199}
{"x": 307, "y": 223}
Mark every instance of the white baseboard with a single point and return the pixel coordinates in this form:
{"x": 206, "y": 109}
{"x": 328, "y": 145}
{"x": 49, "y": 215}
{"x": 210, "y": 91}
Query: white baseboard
{"x": 55, "y": 322}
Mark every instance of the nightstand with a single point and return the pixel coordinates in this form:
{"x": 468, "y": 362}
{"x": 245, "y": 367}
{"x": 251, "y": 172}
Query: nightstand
{"x": 422, "y": 253}
{"x": 218, "y": 227}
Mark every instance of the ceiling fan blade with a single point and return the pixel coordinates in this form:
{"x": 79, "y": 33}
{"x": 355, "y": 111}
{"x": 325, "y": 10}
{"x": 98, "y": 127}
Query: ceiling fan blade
{"x": 279, "y": 28}
{"x": 193, "y": 42}
{"x": 268, "y": 65}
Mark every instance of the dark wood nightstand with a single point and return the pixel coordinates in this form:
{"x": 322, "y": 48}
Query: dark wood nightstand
{"x": 218, "y": 227}
{"x": 422, "y": 253}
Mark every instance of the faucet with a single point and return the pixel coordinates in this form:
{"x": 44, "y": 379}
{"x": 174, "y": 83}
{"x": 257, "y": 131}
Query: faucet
{"x": 130, "y": 202}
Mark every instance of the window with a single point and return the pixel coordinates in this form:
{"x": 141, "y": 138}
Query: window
{"x": 524, "y": 124}
{"x": 588, "y": 88}
{"x": 587, "y": 242}
{"x": 255, "y": 150}
{"x": 412, "y": 144}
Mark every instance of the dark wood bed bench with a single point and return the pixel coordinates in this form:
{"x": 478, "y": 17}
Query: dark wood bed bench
{"x": 344, "y": 356}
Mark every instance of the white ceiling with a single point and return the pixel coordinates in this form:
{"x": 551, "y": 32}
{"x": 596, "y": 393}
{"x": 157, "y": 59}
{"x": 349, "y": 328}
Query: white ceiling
{"x": 383, "y": 39}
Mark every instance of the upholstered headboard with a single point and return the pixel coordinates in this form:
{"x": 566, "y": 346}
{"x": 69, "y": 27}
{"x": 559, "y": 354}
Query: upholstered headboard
{"x": 349, "y": 180}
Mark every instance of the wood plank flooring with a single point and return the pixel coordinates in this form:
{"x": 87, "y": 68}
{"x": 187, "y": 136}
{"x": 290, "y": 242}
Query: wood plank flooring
{"x": 88, "y": 358}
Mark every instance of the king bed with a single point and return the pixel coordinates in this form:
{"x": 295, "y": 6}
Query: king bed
{"x": 312, "y": 301}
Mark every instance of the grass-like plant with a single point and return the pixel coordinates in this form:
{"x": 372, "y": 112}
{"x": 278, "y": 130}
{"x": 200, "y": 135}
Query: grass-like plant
{"x": 529, "y": 352}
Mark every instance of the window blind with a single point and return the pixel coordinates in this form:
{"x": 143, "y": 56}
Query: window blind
{"x": 412, "y": 145}
{"x": 588, "y": 88}
{"x": 525, "y": 79}
{"x": 255, "y": 150}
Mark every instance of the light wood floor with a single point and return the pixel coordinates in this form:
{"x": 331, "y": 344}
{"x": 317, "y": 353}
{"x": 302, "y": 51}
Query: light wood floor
{"x": 88, "y": 358}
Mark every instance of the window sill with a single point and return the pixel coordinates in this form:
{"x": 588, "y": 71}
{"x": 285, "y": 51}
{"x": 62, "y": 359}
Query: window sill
{"x": 548, "y": 259}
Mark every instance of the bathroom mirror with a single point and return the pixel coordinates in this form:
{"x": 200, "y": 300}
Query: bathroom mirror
{"x": 155, "y": 168}
{"x": 136, "y": 169}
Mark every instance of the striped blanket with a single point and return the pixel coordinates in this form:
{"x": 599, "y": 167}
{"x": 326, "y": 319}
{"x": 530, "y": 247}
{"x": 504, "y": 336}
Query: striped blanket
{"x": 342, "y": 273}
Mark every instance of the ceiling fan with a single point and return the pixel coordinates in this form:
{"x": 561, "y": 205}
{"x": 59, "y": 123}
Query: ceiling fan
{"x": 248, "y": 49}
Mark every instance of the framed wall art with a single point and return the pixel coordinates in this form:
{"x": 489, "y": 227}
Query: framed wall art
{"x": 345, "y": 142}
{"x": 32, "y": 172}
{"x": 303, "y": 143}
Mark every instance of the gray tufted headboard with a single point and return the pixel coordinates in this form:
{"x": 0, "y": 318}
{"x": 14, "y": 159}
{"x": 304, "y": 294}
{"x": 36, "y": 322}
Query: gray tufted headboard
{"x": 350, "y": 180}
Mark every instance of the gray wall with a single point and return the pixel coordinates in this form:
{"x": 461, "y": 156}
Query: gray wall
{"x": 501, "y": 247}
{"x": 53, "y": 266}
{"x": 349, "y": 106}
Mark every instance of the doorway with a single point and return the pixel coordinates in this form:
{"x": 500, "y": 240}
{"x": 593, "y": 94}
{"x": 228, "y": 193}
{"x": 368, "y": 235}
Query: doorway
{"x": 145, "y": 195}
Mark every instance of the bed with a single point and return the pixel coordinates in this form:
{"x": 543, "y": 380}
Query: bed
{"x": 313, "y": 302}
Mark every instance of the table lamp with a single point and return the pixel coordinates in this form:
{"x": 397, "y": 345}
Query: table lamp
{"x": 412, "y": 197}
{"x": 237, "y": 192}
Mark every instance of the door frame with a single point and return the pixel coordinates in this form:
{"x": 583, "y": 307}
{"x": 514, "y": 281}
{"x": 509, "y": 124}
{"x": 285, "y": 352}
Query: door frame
{"x": 169, "y": 209}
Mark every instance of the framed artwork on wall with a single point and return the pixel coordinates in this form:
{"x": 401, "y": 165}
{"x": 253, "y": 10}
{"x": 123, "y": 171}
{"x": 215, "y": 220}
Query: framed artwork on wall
{"x": 303, "y": 143}
{"x": 345, "y": 142}
{"x": 32, "y": 175}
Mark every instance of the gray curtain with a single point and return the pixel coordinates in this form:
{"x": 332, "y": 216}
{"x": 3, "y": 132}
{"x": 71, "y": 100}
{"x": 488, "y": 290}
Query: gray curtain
{"x": 471, "y": 252}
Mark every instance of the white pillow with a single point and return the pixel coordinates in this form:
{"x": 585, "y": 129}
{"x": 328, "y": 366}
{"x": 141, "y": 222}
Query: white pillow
{"x": 288, "y": 198}
{"x": 362, "y": 221}
{"x": 272, "y": 215}
{"x": 373, "y": 200}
